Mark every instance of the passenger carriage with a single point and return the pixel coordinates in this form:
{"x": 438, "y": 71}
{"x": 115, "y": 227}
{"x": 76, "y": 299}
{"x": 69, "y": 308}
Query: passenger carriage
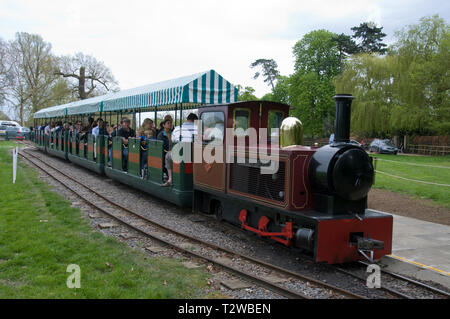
{"x": 177, "y": 95}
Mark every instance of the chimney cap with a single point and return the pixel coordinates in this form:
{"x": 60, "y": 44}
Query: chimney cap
{"x": 343, "y": 96}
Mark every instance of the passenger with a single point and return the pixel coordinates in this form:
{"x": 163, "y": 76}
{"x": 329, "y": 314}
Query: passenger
{"x": 148, "y": 124}
{"x": 47, "y": 129}
{"x": 148, "y": 135}
{"x": 167, "y": 117}
{"x": 187, "y": 131}
{"x": 99, "y": 129}
{"x": 166, "y": 136}
{"x": 125, "y": 132}
{"x": 110, "y": 130}
{"x": 58, "y": 126}
{"x": 84, "y": 138}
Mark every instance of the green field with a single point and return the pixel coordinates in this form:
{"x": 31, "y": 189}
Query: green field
{"x": 41, "y": 234}
{"x": 431, "y": 169}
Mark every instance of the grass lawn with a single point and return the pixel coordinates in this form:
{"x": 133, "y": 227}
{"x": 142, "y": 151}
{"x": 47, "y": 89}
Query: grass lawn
{"x": 41, "y": 234}
{"x": 434, "y": 169}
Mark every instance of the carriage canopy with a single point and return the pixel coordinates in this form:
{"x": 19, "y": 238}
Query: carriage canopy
{"x": 207, "y": 87}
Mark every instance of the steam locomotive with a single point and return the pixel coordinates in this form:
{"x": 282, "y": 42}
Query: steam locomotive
{"x": 316, "y": 201}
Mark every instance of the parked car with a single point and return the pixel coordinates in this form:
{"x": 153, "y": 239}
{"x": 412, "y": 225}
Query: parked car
{"x": 2, "y": 131}
{"x": 383, "y": 147}
{"x": 9, "y": 123}
{"x": 15, "y": 132}
{"x": 26, "y": 132}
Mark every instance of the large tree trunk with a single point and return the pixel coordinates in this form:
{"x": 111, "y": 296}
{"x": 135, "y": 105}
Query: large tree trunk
{"x": 81, "y": 83}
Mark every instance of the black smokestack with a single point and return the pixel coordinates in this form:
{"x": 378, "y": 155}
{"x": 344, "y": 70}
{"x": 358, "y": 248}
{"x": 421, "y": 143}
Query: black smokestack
{"x": 342, "y": 122}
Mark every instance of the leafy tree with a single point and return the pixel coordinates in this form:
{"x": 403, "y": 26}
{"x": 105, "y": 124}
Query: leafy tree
{"x": 345, "y": 46}
{"x": 88, "y": 77}
{"x": 313, "y": 103}
{"x": 423, "y": 53}
{"x": 311, "y": 87}
{"x": 371, "y": 38}
{"x": 369, "y": 78}
{"x": 246, "y": 94}
{"x": 406, "y": 91}
{"x": 317, "y": 52}
{"x": 269, "y": 70}
{"x": 281, "y": 91}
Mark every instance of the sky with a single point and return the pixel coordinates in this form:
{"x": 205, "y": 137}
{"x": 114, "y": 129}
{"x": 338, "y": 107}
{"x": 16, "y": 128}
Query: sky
{"x": 149, "y": 41}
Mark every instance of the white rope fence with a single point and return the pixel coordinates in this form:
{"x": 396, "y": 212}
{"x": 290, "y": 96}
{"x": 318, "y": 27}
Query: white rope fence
{"x": 412, "y": 180}
{"x": 424, "y": 165}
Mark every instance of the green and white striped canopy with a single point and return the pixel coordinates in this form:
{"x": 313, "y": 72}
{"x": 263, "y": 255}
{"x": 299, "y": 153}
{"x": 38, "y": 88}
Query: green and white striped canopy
{"x": 54, "y": 111}
{"x": 207, "y": 87}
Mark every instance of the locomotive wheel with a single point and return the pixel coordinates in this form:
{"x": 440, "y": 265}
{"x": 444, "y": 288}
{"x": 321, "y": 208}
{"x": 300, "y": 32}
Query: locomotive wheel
{"x": 219, "y": 212}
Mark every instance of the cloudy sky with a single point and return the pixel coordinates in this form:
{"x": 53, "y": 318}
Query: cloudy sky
{"x": 150, "y": 41}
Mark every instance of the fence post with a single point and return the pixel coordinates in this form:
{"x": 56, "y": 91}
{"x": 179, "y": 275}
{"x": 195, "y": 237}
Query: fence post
{"x": 15, "y": 152}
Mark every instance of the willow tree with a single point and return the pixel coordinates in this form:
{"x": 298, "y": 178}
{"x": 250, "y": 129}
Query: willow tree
{"x": 423, "y": 82}
{"x": 370, "y": 79}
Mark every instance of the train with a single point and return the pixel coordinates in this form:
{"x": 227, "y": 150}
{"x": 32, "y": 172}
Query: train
{"x": 310, "y": 198}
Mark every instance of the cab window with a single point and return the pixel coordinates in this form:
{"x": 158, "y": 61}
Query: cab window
{"x": 241, "y": 122}
{"x": 213, "y": 126}
{"x": 275, "y": 119}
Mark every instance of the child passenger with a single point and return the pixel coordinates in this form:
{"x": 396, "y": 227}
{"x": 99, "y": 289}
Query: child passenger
{"x": 145, "y": 136}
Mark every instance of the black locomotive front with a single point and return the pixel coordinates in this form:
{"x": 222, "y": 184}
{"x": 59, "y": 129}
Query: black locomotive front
{"x": 341, "y": 174}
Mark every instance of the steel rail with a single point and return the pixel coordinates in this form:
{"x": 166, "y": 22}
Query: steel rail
{"x": 410, "y": 280}
{"x": 259, "y": 281}
{"x": 213, "y": 246}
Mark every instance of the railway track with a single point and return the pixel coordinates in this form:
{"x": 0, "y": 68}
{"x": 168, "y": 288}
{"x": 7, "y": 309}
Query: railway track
{"x": 149, "y": 229}
{"x": 227, "y": 254}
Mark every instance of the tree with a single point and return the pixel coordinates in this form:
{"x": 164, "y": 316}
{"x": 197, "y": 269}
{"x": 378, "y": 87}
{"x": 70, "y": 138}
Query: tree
{"x": 4, "y": 117}
{"x": 5, "y": 72}
{"x": 31, "y": 66}
{"x": 311, "y": 87}
{"x": 246, "y": 94}
{"x": 88, "y": 77}
{"x": 317, "y": 52}
{"x": 269, "y": 70}
{"x": 405, "y": 91}
{"x": 345, "y": 46}
{"x": 281, "y": 91}
{"x": 423, "y": 53}
{"x": 369, "y": 78}
{"x": 371, "y": 38}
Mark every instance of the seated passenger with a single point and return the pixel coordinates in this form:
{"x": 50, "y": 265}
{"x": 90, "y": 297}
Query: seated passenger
{"x": 145, "y": 137}
{"x": 125, "y": 132}
{"x": 84, "y": 139}
{"x": 166, "y": 136}
{"x": 187, "y": 131}
{"x": 111, "y": 133}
